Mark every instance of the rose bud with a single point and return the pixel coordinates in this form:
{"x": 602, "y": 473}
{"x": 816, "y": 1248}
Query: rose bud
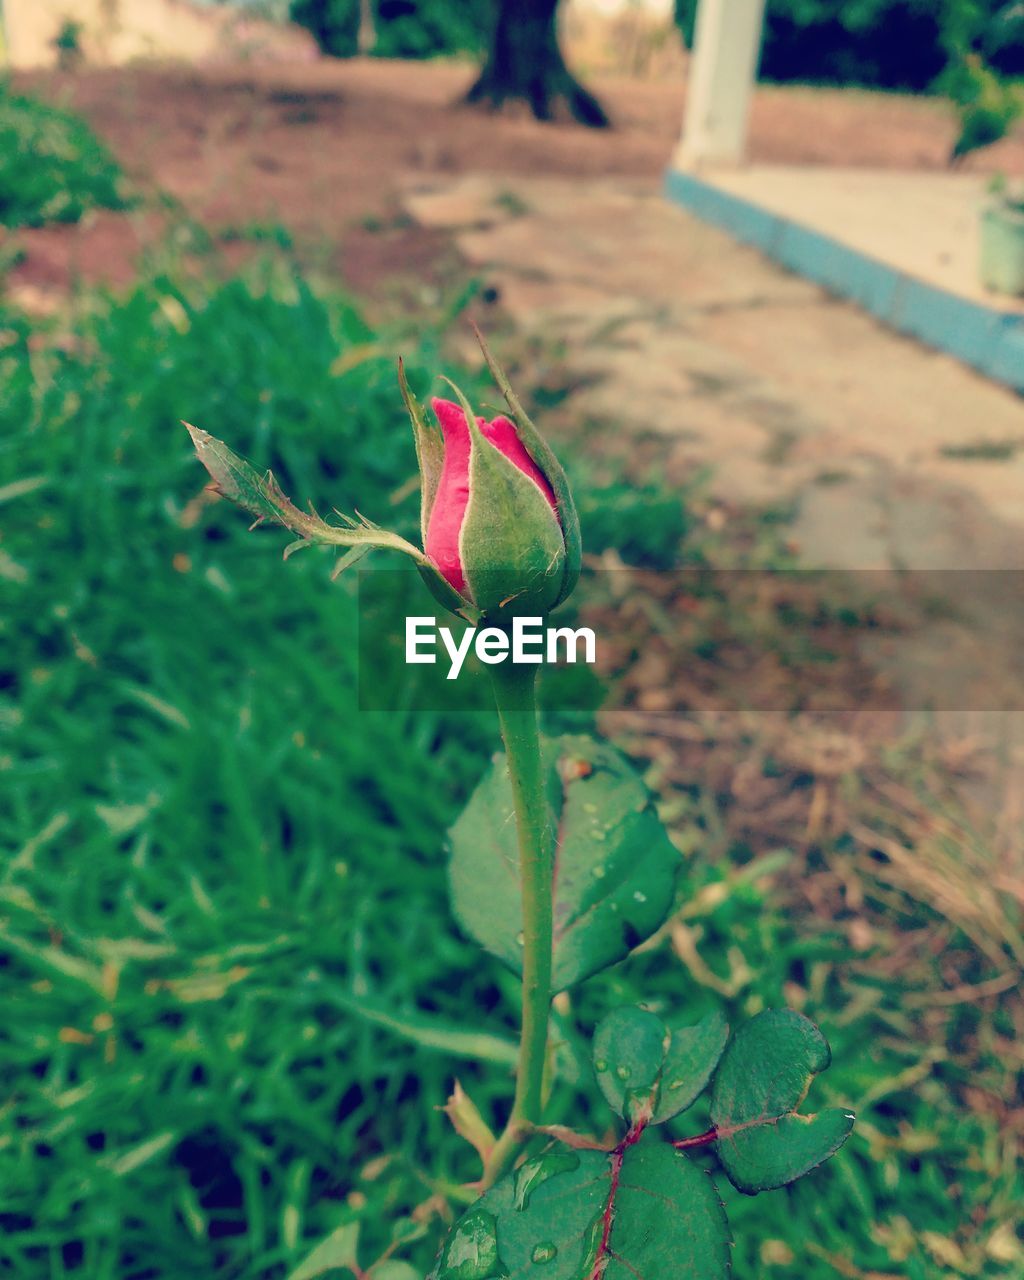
{"x": 500, "y": 532}
{"x": 499, "y": 524}
{"x": 492, "y": 530}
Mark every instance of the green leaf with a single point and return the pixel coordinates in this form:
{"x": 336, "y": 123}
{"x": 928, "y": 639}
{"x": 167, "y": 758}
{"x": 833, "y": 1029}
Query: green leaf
{"x": 693, "y": 1054}
{"x": 629, "y": 1050}
{"x": 336, "y": 1251}
{"x": 667, "y": 1219}
{"x": 615, "y": 867}
{"x": 764, "y": 1076}
{"x": 570, "y": 1215}
{"x": 649, "y": 1074}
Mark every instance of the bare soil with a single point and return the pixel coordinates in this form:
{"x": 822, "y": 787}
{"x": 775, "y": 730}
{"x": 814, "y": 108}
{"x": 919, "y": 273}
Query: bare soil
{"x": 322, "y": 149}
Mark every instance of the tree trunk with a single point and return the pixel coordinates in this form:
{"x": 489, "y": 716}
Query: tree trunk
{"x": 525, "y": 64}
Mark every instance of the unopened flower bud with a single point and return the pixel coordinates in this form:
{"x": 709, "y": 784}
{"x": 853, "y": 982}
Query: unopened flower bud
{"x": 493, "y": 528}
{"x": 501, "y": 536}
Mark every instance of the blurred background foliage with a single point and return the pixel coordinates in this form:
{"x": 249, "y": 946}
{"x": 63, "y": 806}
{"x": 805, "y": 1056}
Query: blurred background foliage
{"x": 53, "y": 168}
{"x": 892, "y": 44}
{"x": 404, "y": 28}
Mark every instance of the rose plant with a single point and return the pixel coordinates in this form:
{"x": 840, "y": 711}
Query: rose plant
{"x": 560, "y": 867}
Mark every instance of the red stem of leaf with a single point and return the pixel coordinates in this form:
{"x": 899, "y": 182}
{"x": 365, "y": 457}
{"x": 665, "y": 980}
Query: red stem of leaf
{"x": 701, "y": 1140}
{"x": 617, "y": 1157}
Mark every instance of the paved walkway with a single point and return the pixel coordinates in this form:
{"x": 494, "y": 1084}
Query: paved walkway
{"x": 925, "y": 224}
{"x": 892, "y": 454}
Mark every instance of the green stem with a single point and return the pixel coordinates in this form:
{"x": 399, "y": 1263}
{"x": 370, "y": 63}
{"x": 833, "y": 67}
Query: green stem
{"x": 515, "y": 696}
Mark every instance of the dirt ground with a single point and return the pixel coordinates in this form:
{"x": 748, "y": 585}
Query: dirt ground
{"x": 323, "y": 149}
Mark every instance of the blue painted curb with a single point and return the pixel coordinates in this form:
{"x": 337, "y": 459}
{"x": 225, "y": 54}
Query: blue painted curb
{"x": 986, "y": 338}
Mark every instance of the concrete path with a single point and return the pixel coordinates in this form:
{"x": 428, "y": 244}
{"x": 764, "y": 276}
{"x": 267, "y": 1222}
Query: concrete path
{"x": 923, "y": 224}
{"x": 893, "y": 455}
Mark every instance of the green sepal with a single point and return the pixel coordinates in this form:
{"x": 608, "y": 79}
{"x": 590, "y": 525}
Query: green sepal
{"x": 263, "y": 497}
{"x": 543, "y": 455}
{"x": 647, "y": 1073}
{"x": 446, "y": 595}
{"x": 429, "y": 450}
{"x": 764, "y": 1075}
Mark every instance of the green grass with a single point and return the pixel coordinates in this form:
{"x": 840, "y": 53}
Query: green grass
{"x": 211, "y": 855}
{"x": 234, "y": 996}
{"x": 53, "y": 168}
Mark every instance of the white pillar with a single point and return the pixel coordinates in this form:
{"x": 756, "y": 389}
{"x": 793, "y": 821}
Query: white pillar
{"x": 723, "y": 67}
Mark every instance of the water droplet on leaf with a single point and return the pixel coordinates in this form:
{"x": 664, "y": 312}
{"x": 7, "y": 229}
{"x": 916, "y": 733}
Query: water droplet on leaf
{"x": 598, "y": 873}
{"x": 592, "y": 1239}
{"x": 534, "y": 1173}
{"x": 600, "y": 1065}
{"x": 622, "y": 1072}
{"x": 521, "y": 938}
{"x": 544, "y": 1252}
{"x": 639, "y": 897}
{"x": 472, "y": 1250}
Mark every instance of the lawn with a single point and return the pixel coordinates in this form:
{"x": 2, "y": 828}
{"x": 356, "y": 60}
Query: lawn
{"x": 235, "y": 997}
{"x": 53, "y": 168}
